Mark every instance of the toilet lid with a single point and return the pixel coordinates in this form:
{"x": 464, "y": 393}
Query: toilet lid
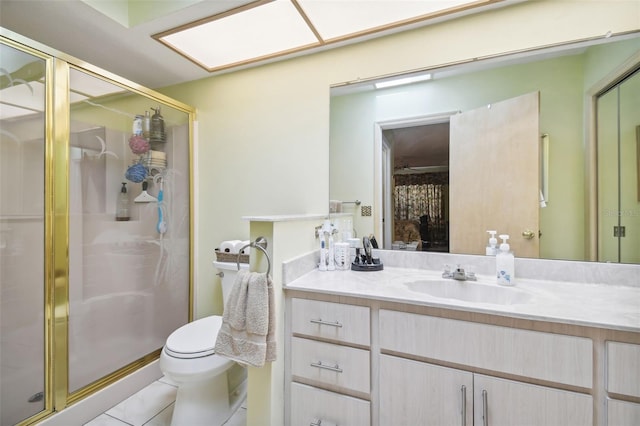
{"x": 195, "y": 339}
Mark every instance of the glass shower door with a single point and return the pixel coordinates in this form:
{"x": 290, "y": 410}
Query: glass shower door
{"x": 129, "y": 252}
{"x": 22, "y": 233}
{"x": 618, "y": 151}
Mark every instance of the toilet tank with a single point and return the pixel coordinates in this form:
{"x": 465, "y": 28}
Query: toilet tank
{"x": 229, "y": 272}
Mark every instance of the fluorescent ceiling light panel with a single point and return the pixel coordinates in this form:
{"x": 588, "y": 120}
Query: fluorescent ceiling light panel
{"x": 76, "y": 97}
{"x": 90, "y": 85}
{"x": 268, "y": 29}
{"x": 401, "y": 81}
{"x": 337, "y": 19}
{"x": 10, "y": 111}
{"x": 30, "y": 95}
{"x": 265, "y": 29}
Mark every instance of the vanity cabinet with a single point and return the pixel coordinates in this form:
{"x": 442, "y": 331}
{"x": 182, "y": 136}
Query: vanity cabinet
{"x": 329, "y": 364}
{"x": 419, "y": 393}
{"x": 623, "y": 381}
{"x": 361, "y": 361}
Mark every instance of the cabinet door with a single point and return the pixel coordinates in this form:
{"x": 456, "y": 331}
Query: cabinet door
{"x": 501, "y": 402}
{"x": 416, "y": 393}
{"x": 622, "y": 413}
{"x": 623, "y": 368}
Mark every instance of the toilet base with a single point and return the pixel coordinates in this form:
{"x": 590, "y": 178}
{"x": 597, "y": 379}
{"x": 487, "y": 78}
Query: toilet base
{"x": 206, "y": 403}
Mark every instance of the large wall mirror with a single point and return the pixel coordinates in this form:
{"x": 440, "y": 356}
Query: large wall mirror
{"x": 541, "y": 145}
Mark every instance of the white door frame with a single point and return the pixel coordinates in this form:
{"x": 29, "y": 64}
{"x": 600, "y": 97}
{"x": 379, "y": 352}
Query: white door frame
{"x": 382, "y": 196}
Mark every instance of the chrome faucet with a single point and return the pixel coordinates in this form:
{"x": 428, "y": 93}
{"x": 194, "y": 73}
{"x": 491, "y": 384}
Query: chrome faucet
{"x": 458, "y": 274}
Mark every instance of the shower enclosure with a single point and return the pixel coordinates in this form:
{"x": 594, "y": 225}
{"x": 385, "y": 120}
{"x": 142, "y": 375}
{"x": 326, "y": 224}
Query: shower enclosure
{"x": 86, "y": 297}
{"x": 618, "y": 145}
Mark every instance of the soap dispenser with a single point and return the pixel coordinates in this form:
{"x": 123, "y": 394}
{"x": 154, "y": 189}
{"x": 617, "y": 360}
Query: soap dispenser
{"x": 122, "y": 209}
{"x": 492, "y": 246}
{"x": 505, "y": 263}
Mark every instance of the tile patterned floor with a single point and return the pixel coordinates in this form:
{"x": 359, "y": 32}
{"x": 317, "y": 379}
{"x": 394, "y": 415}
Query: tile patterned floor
{"x": 152, "y": 406}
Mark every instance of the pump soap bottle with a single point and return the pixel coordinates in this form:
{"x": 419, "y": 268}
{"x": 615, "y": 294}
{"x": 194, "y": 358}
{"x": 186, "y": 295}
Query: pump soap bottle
{"x": 492, "y": 247}
{"x": 505, "y": 263}
{"x": 122, "y": 209}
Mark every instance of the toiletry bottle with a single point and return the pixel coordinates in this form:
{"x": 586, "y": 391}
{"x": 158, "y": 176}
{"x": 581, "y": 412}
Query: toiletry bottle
{"x": 323, "y": 253}
{"x": 492, "y": 247}
{"x": 342, "y": 256}
{"x": 505, "y": 264}
{"x": 122, "y": 209}
{"x": 146, "y": 125}
{"x": 331, "y": 254}
{"x": 156, "y": 132}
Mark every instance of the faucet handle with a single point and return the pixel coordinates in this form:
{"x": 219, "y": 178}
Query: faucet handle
{"x": 471, "y": 273}
{"x": 447, "y": 271}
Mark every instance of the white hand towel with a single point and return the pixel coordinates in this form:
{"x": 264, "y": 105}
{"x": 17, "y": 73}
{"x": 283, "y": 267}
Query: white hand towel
{"x": 247, "y": 334}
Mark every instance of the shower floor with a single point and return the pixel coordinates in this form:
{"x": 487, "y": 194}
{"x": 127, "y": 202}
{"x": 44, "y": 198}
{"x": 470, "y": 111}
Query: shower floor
{"x": 152, "y": 406}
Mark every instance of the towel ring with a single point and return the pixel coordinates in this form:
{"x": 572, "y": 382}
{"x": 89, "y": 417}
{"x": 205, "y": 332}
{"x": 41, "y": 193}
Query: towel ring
{"x": 261, "y": 244}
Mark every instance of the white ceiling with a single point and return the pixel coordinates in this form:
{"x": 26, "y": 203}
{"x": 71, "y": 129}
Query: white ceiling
{"x": 126, "y": 47}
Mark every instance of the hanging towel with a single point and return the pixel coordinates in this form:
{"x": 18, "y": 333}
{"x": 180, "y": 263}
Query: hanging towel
{"x": 247, "y": 334}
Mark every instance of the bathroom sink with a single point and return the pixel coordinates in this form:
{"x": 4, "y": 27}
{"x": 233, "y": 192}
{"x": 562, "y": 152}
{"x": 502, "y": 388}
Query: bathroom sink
{"x": 470, "y": 291}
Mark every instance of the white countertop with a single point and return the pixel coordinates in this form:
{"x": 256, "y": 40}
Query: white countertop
{"x": 597, "y": 305}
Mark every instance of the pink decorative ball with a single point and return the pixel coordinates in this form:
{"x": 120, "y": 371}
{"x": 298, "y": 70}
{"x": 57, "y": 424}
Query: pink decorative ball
{"x": 138, "y": 144}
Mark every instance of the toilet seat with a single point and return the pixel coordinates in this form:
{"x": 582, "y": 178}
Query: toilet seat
{"x": 195, "y": 339}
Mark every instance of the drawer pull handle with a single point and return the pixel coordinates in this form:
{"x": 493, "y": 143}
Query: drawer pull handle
{"x": 485, "y": 408}
{"x": 463, "y": 391}
{"x": 318, "y": 422}
{"x": 321, "y": 322}
{"x": 319, "y": 364}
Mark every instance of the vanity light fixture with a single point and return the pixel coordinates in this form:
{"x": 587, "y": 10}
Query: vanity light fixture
{"x": 401, "y": 81}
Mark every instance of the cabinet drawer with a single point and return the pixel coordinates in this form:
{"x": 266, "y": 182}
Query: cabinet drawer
{"x": 623, "y": 368}
{"x": 344, "y": 323}
{"x": 622, "y": 413}
{"x": 312, "y": 406}
{"x": 337, "y": 366}
{"x": 545, "y": 356}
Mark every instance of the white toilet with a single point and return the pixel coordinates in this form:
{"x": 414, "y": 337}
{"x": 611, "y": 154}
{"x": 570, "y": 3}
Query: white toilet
{"x": 210, "y": 387}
